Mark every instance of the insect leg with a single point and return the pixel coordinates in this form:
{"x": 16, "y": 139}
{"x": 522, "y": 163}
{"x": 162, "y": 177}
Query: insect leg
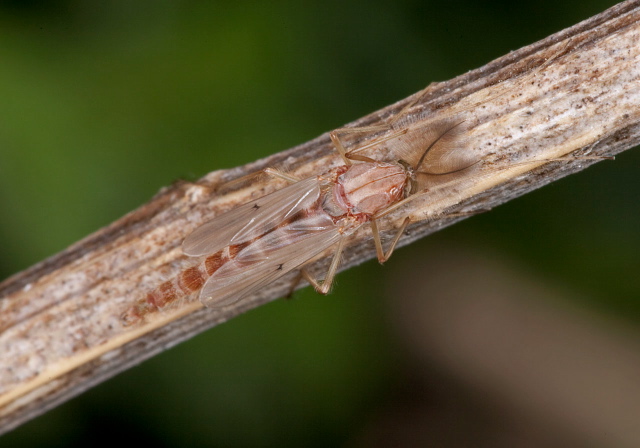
{"x": 323, "y": 286}
{"x": 339, "y": 147}
{"x": 272, "y": 172}
{"x": 336, "y": 133}
{"x": 294, "y": 284}
{"x": 280, "y": 175}
{"x": 382, "y": 256}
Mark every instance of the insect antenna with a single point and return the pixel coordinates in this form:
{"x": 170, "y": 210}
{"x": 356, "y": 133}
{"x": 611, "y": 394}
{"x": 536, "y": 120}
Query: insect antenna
{"x": 432, "y": 145}
{"x": 429, "y": 173}
{"x": 443, "y": 152}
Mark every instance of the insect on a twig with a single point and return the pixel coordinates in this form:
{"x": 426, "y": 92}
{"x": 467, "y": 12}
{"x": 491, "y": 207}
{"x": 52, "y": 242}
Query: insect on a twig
{"x": 260, "y": 241}
{"x": 257, "y": 243}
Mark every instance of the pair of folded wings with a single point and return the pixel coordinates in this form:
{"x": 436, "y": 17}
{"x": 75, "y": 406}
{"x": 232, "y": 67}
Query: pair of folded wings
{"x": 278, "y": 243}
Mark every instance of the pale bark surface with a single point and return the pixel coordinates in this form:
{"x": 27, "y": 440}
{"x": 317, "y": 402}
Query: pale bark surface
{"x": 61, "y": 320}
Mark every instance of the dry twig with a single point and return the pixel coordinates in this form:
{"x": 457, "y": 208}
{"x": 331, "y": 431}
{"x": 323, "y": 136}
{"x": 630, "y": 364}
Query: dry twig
{"x": 61, "y": 325}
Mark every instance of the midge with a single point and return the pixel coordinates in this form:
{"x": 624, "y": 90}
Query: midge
{"x": 259, "y": 242}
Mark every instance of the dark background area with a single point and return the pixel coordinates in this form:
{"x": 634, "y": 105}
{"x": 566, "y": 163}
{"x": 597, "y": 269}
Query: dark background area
{"x": 104, "y": 102}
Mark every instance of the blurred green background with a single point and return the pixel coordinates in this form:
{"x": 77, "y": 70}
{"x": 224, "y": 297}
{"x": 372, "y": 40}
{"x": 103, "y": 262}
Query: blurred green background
{"x": 104, "y": 102}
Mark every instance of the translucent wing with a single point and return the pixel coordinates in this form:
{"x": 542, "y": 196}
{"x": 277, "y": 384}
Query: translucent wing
{"x": 268, "y": 258}
{"x": 252, "y": 219}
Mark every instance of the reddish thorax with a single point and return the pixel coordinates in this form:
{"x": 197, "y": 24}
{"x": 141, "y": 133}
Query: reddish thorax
{"x": 368, "y": 188}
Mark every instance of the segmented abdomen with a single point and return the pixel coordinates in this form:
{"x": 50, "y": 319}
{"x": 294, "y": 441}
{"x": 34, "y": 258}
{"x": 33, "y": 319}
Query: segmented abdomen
{"x": 191, "y": 280}
{"x": 181, "y": 286}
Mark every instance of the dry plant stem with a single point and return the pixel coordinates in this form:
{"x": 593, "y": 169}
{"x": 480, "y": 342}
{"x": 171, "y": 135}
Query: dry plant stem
{"x": 60, "y": 321}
